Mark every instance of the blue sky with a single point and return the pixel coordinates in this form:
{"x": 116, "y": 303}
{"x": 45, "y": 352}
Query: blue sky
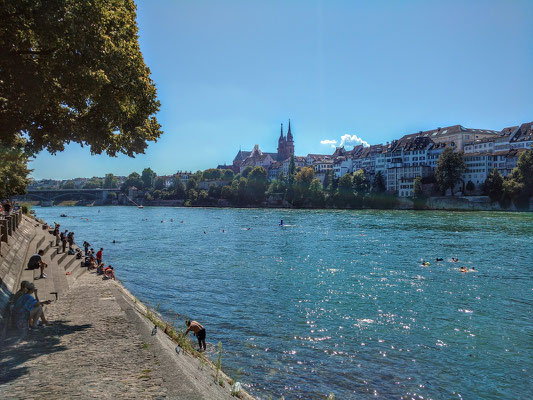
{"x": 229, "y": 72}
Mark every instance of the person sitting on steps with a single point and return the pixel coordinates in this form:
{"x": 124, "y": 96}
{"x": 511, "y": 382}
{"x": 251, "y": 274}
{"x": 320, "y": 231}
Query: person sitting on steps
{"x": 36, "y": 261}
{"x": 109, "y": 273}
{"x": 28, "y": 309}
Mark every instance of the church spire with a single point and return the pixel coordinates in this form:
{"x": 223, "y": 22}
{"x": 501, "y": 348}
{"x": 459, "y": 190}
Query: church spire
{"x": 289, "y": 133}
{"x": 281, "y": 134}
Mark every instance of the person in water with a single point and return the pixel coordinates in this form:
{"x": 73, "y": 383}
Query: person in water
{"x": 463, "y": 269}
{"x": 455, "y": 259}
{"x": 198, "y": 330}
{"x": 439, "y": 259}
{"x": 281, "y": 223}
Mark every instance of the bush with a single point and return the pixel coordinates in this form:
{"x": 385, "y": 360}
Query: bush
{"x": 25, "y": 209}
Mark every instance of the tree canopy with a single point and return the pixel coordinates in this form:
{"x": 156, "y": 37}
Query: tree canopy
{"x": 450, "y": 168}
{"x": 72, "y": 71}
{"x": 110, "y": 182}
{"x": 13, "y": 171}
{"x": 148, "y": 178}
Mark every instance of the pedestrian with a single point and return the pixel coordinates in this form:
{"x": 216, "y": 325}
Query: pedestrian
{"x": 64, "y": 236}
{"x": 86, "y": 247}
{"x": 198, "y": 330}
{"x": 99, "y": 256}
{"x": 57, "y": 235}
{"x": 70, "y": 239}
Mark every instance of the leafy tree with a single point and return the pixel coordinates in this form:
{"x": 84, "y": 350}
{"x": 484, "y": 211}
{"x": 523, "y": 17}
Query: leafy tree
{"x": 238, "y": 189}
{"x": 511, "y": 190}
{"x": 192, "y": 195}
{"x": 257, "y": 184}
{"x": 378, "y": 185}
{"x": 133, "y": 180}
{"x": 450, "y": 168}
{"x": 345, "y": 195}
{"x": 111, "y": 196}
{"x": 246, "y": 171}
{"x": 494, "y": 185}
{"x": 72, "y": 71}
{"x": 178, "y": 188}
{"x": 214, "y": 191}
{"x": 226, "y": 193}
{"x": 211, "y": 173}
{"x": 277, "y": 186}
{"x": 361, "y": 184}
{"x": 316, "y": 194}
{"x": 110, "y": 182}
{"x": 148, "y": 178}
{"x": 203, "y": 197}
{"x": 69, "y": 185}
{"x": 13, "y": 169}
{"x": 518, "y": 186}
{"x": 227, "y": 174}
{"x": 159, "y": 183}
{"x": 93, "y": 183}
{"x": 302, "y": 181}
{"x": 524, "y": 172}
{"x": 470, "y": 187}
{"x": 148, "y": 196}
{"x": 418, "y": 193}
{"x": 192, "y": 183}
{"x": 292, "y": 171}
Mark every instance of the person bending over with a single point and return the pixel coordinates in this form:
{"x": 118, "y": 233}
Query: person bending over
{"x": 198, "y": 330}
{"x": 36, "y": 261}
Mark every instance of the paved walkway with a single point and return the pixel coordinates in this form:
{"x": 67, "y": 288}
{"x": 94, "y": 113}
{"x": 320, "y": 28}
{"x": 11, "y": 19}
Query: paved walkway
{"x": 99, "y": 346}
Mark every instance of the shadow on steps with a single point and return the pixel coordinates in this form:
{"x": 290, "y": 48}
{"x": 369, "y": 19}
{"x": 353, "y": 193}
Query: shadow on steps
{"x": 19, "y": 348}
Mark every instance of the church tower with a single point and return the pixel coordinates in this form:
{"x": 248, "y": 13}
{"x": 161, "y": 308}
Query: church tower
{"x": 290, "y": 142}
{"x": 285, "y": 144}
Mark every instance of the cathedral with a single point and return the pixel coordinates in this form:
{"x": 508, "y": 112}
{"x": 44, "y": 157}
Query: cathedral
{"x": 285, "y": 145}
{"x": 257, "y": 157}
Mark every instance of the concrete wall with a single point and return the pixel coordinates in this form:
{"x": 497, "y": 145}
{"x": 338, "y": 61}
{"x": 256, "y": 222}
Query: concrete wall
{"x": 12, "y": 262}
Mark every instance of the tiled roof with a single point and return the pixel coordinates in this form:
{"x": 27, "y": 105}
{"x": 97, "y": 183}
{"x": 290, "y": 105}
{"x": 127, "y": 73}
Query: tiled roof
{"x": 508, "y": 131}
{"x": 241, "y": 155}
{"x": 525, "y": 132}
{"x": 319, "y": 156}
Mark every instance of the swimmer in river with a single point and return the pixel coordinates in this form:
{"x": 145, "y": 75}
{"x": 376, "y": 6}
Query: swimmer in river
{"x": 439, "y": 259}
{"x": 248, "y": 229}
{"x": 463, "y": 269}
{"x": 114, "y": 241}
{"x": 171, "y": 219}
{"x": 205, "y": 233}
{"x": 455, "y": 259}
{"x": 281, "y": 223}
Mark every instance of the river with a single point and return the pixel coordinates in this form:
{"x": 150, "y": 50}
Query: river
{"x": 336, "y": 301}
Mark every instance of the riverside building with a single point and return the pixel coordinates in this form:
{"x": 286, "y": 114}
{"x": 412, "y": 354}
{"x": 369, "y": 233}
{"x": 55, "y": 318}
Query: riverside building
{"x": 402, "y": 160}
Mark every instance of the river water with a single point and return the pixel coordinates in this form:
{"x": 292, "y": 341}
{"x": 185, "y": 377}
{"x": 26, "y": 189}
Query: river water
{"x": 336, "y": 301}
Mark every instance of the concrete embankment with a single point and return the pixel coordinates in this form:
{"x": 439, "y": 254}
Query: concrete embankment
{"x": 99, "y": 344}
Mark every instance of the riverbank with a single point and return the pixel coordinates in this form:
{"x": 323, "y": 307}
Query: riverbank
{"x": 445, "y": 203}
{"x": 99, "y": 343}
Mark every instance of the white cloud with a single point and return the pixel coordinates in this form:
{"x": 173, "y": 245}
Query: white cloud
{"x": 352, "y": 140}
{"x": 328, "y": 141}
